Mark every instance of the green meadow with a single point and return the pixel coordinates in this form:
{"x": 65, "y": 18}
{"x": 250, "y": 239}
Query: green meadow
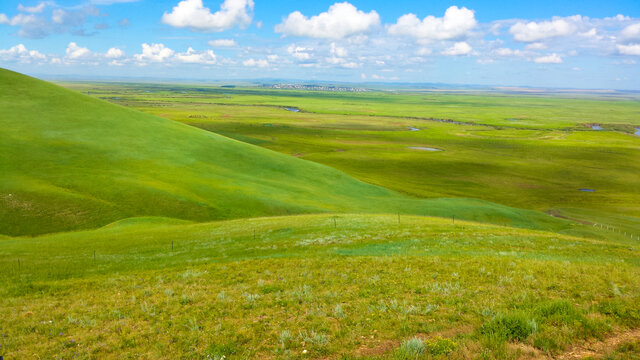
{"x": 163, "y": 221}
{"x": 534, "y": 152}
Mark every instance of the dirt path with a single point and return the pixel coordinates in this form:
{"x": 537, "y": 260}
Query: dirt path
{"x": 594, "y": 348}
{"x": 598, "y": 348}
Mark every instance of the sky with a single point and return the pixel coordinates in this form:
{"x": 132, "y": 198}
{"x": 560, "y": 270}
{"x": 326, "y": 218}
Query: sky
{"x": 561, "y": 43}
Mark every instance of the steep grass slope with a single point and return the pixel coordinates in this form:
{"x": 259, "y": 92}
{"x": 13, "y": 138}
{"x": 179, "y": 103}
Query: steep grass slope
{"x": 69, "y": 161}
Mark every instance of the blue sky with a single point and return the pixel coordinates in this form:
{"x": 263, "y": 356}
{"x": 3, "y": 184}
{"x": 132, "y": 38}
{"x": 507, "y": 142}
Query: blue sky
{"x": 568, "y": 44}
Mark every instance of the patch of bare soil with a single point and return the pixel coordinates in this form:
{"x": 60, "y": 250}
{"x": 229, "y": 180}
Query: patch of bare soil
{"x": 591, "y": 348}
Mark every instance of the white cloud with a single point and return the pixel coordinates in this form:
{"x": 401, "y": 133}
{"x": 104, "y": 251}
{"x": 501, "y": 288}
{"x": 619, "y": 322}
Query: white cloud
{"x": 21, "y": 54}
{"x": 299, "y": 52}
{"x": 536, "y": 46}
{"x": 631, "y": 32}
{"x": 72, "y": 18}
{"x": 338, "y": 51}
{"x": 153, "y": 53}
{"x": 273, "y": 57}
{"x": 75, "y": 52}
{"x": 20, "y": 19}
{"x": 631, "y": 49}
{"x": 193, "y": 15}
{"x": 222, "y": 43}
{"x": 593, "y": 33}
{"x": 536, "y": 31}
{"x": 351, "y": 65}
{"x": 114, "y": 53}
{"x": 424, "y": 51}
{"x": 456, "y": 23}
{"x": 256, "y": 63}
{"x": 35, "y": 26}
{"x": 506, "y": 52}
{"x": 32, "y": 9}
{"x": 549, "y": 59}
{"x": 193, "y": 57}
{"x": 459, "y": 48}
{"x": 340, "y": 21}
{"x": 110, "y": 2}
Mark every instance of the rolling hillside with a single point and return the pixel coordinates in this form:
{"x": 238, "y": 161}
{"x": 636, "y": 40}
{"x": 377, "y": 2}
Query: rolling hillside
{"x": 69, "y": 162}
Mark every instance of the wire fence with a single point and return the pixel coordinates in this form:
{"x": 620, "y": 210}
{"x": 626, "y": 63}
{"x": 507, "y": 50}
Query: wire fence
{"x": 614, "y": 229}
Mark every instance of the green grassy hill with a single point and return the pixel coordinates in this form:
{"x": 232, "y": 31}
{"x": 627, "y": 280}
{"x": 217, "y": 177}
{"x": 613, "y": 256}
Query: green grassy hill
{"x": 69, "y": 161}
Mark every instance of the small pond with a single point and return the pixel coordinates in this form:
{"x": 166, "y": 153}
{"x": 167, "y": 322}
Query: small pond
{"x": 424, "y": 148}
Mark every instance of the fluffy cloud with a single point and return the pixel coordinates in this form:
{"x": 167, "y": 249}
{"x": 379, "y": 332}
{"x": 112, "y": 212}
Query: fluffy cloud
{"x": 631, "y": 32}
{"x": 114, "y": 53}
{"x": 222, "y": 43}
{"x": 340, "y": 21}
{"x": 31, "y": 26}
{"x": 338, "y": 55}
{"x": 549, "y": 59}
{"x": 32, "y": 9}
{"x": 505, "y": 52}
{"x": 256, "y": 63}
{"x": 338, "y": 51}
{"x": 73, "y": 18}
{"x": 35, "y": 26}
{"x": 631, "y": 49}
{"x": 193, "y": 15}
{"x": 536, "y": 31}
{"x": 21, "y": 54}
{"x": 536, "y": 46}
{"x": 459, "y": 48}
{"x": 153, "y": 53}
{"x": 75, "y": 52}
{"x": 299, "y": 52}
{"x": 110, "y": 2}
{"x": 456, "y": 23}
{"x": 193, "y": 57}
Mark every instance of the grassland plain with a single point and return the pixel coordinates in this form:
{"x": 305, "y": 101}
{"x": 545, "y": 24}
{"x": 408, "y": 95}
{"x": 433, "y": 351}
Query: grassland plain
{"x": 157, "y": 280}
{"x": 313, "y": 286}
{"x": 532, "y": 152}
{"x": 69, "y": 161}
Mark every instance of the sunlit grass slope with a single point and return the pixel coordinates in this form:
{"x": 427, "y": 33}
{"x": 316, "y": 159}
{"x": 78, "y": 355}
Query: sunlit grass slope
{"x": 68, "y": 161}
{"x": 312, "y": 286}
{"x": 526, "y": 151}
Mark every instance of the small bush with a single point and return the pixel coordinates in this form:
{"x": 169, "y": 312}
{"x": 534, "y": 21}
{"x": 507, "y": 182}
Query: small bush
{"x": 220, "y": 351}
{"x": 410, "y": 349}
{"x": 440, "y": 346}
{"x": 510, "y": 327}
{"x": 625, "y": 312}
{"x": 285, "y": 338}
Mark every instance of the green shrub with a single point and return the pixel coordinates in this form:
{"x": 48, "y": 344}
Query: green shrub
{"x": 410, "y": 349}
{"x": 217, "y": 351}
{"x": 440, "y": 346}
{"x": 510, "y": 327}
